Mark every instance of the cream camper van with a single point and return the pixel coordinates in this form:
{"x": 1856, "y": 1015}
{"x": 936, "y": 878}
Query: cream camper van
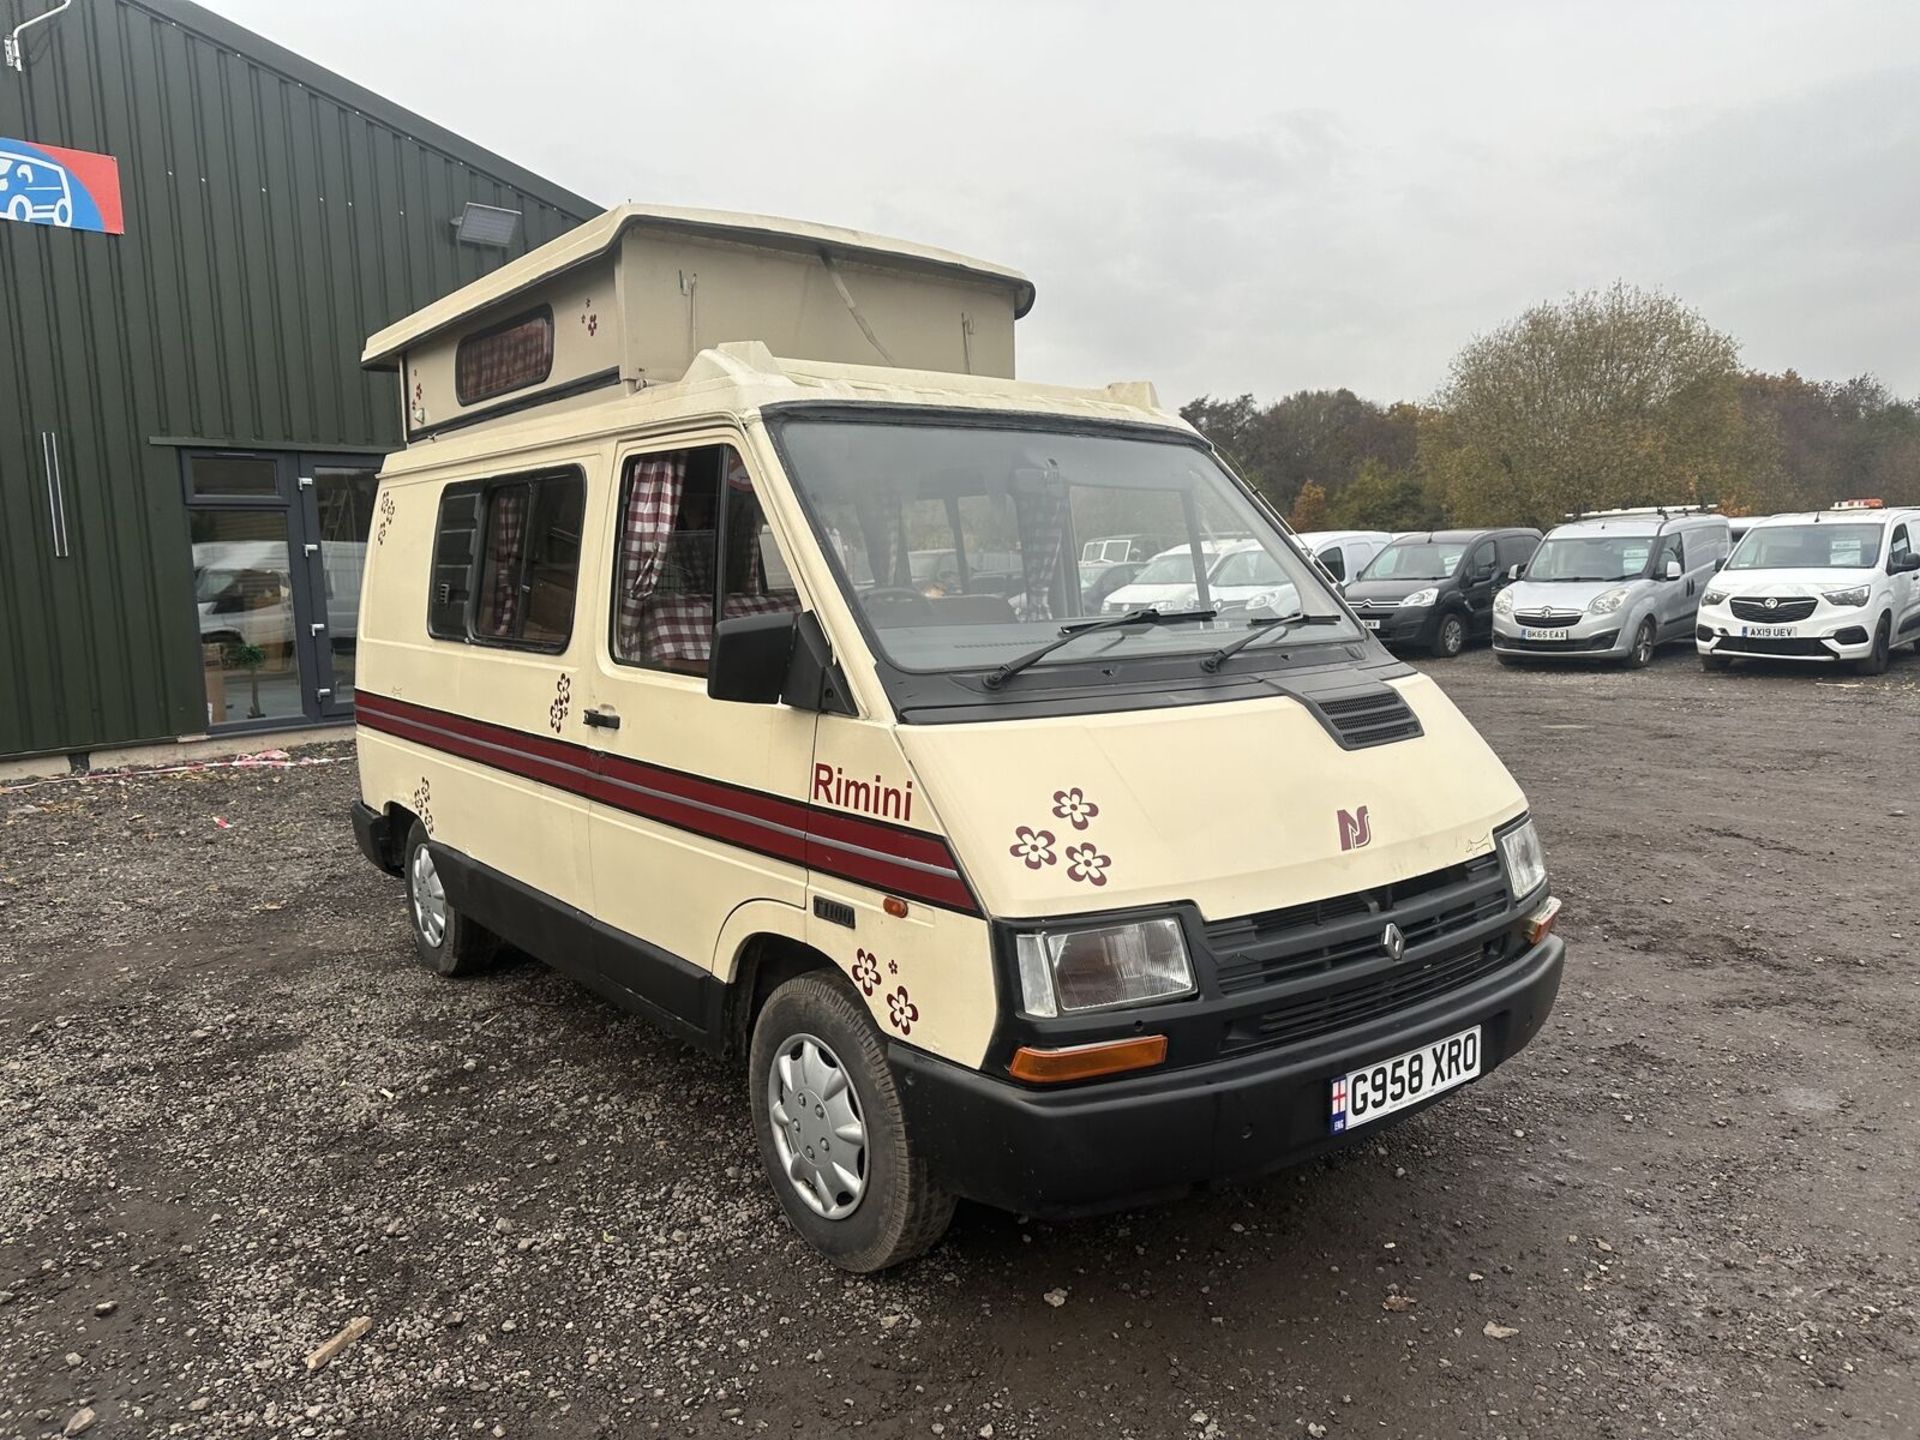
{"x": 997, "y": 898}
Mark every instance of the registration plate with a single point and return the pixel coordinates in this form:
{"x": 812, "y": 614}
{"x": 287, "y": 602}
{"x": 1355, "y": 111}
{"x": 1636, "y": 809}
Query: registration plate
{"x": 1768, "y": 632}
{"x": 1546, "y": 634}
{"x": 1371, "y": 624}
{"x": 1364, "y": 1095}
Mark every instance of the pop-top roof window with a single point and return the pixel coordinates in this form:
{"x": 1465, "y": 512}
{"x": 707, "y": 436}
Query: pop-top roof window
{"x": 508, "y": 357}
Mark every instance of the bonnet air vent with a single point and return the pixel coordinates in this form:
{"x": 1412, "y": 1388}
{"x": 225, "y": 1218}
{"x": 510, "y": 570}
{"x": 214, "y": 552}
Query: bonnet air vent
{"x": 1377, "y": 716}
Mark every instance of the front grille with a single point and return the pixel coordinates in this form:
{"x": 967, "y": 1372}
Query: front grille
{"x": 1377, "y": 718}
{"x": 1750, "y": 645}
{"x": 1785, "y": 609}
{"x": 1307, "y": 945}
{"x": 1552, "y": 618}
{"x": 1602, "y": 641}
{"x": 1405, "y": 985}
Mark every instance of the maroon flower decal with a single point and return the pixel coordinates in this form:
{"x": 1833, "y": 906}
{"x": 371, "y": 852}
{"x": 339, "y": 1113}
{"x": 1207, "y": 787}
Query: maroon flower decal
{"x": 893, "y": 967}
{"x": 562, "y": 703}
{"x": 423, "y": 804}
{"x": 901, "y": 1011}
{"x": 1035, "y": 847}
{"x": 387, "y": 509}
{"x": 1074, "y": 807}
{"x": 866, "y": 972}
{"x": 1085, "y": 862}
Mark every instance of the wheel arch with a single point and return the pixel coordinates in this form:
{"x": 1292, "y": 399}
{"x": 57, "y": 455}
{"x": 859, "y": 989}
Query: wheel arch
{"x": 762, "y": 946}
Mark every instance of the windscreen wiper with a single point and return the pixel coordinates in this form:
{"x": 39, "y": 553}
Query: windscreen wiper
{"x": 1073, "y": 630}
{"x": 1261, "y": 629}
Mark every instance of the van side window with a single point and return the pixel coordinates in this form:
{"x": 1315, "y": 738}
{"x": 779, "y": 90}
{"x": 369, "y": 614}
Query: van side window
{"x": 1335, "y": 560}
{"x": 1898, "y": 546}
{"x": 670, "y": 565}
{"x": 1670, "y": 549}
{"x": 506, "y": 560}
{"x": 530, "y": 561}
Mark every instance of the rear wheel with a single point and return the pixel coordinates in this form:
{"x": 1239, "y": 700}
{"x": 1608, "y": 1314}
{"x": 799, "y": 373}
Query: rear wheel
{"x": 1451, "y": 638}
{"x": 831, "y": 1131}
{"x": 1875, "y": 661}
{"x": 1642, "y": 652}
{"x": 447, "y": 942}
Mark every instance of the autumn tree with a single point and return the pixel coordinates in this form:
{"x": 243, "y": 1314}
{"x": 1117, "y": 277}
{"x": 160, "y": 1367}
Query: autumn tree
{"x": 1309, "y": 508}
{"x": 1382, "y": 497}
{"x": 1613, "y": 397}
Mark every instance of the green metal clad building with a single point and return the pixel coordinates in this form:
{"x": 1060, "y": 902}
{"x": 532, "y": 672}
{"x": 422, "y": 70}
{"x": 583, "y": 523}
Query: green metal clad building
{"x": 187, "y": 441}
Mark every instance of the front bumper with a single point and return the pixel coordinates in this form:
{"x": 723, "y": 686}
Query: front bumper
{"x": 1112, "y": 1144}
{"x": 1826, "y": 637}
{"x": 1592, "y": 637}
{"x": 1399, "y": 626}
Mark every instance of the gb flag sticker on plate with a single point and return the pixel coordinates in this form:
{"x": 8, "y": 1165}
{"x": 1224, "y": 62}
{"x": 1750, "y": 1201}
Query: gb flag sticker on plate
{"x": 1366, "y": 1094}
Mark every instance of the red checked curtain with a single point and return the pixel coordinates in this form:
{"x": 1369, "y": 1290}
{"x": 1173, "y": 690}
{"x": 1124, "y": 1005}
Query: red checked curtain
{"x": 507, "y": 537}
{"x": 655, "y": 485}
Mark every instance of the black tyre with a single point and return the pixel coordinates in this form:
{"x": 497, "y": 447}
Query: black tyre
{"x": 1875, "y": 662}
{"x": 447, "y": 942}
{"x": 831, "y": 1132}
{"x": 1715, "y": 662}
{"x": 1641, "y": 655}
{"x": 1450, "y": 638}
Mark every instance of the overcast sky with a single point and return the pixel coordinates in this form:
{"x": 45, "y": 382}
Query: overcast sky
{"x": 1259, "y": 197}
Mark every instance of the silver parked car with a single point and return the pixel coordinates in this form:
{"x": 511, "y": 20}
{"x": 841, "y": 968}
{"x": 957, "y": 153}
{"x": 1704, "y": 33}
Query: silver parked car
{"x": 1611, "y": 586}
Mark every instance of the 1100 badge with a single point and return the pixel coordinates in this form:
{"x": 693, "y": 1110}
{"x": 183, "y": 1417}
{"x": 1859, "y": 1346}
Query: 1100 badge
{"x": 1366, "y": 1094}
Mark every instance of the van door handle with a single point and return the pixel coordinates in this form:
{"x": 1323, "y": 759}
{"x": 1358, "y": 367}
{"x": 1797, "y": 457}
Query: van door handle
{"x": 601, "y": 719}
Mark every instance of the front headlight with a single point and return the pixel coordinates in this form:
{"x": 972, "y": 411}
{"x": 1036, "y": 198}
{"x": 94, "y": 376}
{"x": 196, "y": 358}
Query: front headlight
{"x": 1503, "y": 603}
{"x": 1073, "y": 971}
{"x": 1855, "y": 596}
{"x": 1608, "y": 601}
{"x": 1524, "y": 860}
{"x": 1714, "y": 597}
{"x": 1420, "y": 598}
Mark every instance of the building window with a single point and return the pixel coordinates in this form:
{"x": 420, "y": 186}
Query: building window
{"x": 233, "y": 477}
{"x": 508, "y": 357}
{"x": 671, "y": 568}
{"x": 506, "y": 561}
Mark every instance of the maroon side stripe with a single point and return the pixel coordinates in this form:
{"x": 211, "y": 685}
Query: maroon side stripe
{"x": 902, "y": 862}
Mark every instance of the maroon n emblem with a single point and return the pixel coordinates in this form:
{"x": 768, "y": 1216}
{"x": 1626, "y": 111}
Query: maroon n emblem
{"x": 1356, "y": 829}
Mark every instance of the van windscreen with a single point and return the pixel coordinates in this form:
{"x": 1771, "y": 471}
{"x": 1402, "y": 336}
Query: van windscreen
{"x": 1591, "y": 557}
{"x": 1004, "y": 511}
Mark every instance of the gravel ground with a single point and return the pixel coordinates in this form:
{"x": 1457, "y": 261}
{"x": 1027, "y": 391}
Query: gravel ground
{"x": 235, "y": 1115}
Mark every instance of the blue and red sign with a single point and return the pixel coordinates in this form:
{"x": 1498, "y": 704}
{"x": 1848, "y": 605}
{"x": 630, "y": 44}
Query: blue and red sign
{"x": 48, "y": 185}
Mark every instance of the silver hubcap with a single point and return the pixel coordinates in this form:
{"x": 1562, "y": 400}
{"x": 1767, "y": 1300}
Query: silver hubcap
{"x": 1645, "y": 648}
{"x": 817, "y": 1130}
{"x": 1455, "y": 635}
{"x": 429, "y": 898}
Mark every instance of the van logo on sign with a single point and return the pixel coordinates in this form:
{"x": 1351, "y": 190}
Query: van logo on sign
{"x": 1356, "y": 829}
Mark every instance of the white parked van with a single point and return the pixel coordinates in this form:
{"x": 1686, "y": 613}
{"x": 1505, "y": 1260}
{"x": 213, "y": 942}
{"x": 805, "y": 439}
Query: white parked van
{"x": 996, "y": 898}
{"x": 1833, "y": 585}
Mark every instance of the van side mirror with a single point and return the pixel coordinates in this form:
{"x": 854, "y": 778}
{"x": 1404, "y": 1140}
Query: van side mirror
{"x": 775, "y": 658}
{"x": 1513, "y": 571}
{"x": 1720, "y": 564}
{"x": 1904, "y": 563}
{"x": 1673, "y": 571}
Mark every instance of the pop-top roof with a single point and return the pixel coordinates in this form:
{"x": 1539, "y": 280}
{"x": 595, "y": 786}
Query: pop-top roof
{"x": 596, "y": 238}
{"x": 632, "y": 298}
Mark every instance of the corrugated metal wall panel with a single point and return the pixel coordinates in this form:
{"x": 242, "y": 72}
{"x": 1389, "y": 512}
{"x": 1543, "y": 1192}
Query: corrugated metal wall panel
{"x": 276, "y": 216}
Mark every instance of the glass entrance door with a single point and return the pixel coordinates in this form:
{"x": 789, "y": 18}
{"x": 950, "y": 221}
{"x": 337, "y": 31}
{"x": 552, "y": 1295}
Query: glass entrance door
{"x": 279, "y": 544}
{"x": 338, "y": 513}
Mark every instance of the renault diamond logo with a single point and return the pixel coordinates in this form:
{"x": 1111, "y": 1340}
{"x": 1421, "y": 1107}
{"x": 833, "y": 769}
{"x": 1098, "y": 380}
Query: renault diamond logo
{"x": 1770, "y": 602}
{"x": 1395, "y": 942}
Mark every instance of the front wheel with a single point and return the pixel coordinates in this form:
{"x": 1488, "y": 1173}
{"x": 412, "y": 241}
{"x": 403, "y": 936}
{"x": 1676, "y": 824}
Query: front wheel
{"x": 1642, "y": 652}
{"x": 1875, "y": 661}
{"x": 447, "y": 942}
{"x": 832, "y": 1133}
{"x": 1451, "y": 638}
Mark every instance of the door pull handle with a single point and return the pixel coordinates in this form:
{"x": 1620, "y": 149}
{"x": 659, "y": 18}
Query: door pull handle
{"x": 601, "y": 719}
